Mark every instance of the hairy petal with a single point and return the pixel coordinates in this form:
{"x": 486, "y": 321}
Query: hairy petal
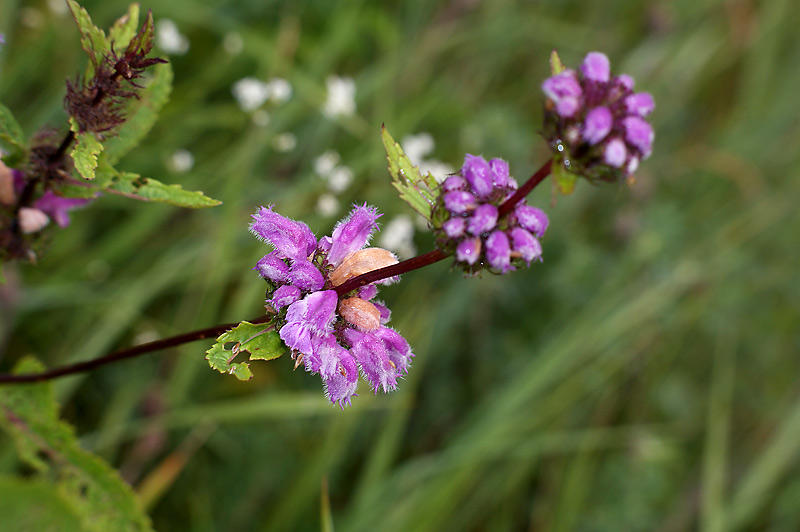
{"x": 371, "y": 354}
{"x": 353, "y": 232}
{"x": 271, "y": 266}
{"x": 290, "y": 238}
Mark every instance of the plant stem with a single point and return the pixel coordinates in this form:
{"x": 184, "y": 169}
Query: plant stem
{"x": 408, "y": 265}
{"x": 142, "y": 349}
{"x": 525, "y": 189}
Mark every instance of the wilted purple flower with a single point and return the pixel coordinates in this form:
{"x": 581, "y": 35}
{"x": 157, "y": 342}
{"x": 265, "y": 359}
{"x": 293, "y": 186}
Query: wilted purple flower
{"x": 57, "y": 208}
{"x": 328, "y": 335}
{"x": 468, "y": 224}
{"x": 601, "y": 132}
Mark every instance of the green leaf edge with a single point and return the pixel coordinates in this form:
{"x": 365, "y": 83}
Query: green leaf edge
{"x": 416, "y": 190}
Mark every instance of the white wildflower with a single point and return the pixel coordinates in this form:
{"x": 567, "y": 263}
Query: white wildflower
{"x": 327, "y": 205}
{"x": 250, "y": 93}
{"x": 181, "y": 161}
{"x": 398, "y": 236}
{"x": 284, "y": 142}
{"x": 280, "y": 90}
{"x": 341, "y": 97}
{"x": 169, "y": 39}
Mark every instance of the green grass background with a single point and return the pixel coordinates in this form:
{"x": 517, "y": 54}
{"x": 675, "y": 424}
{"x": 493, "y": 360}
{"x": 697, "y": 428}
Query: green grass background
{"x": 644, "y": 377}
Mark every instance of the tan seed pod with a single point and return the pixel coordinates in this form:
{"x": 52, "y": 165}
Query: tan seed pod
{"x": 7, "y": 196}
{"x": 32, "y": 220}
{"x": 360, "y": 313}
{"x": 360, "y": 262}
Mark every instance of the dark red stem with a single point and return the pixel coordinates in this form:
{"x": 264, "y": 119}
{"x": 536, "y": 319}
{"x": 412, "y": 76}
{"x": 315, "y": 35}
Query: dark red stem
{"x": 523, "y": 191}
{"x": 413, "y": 263}
{"x": 149, "y": 347}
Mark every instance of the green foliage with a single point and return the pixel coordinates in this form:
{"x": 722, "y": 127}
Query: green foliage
{"x": 85, "y": 151}
{"x": 564, "y": 179}
{"x": 32, "y": 505}
{"x": 148, "y": 189}
{"x": 555, "y": 64}
{"x": 100, "y": 500}
{"x": 414, "y": 188}
{"x": 260, "y": 340}
{"x": 125, "y": 28}
{"x": 140, "y": 113}
{"x": 12, "y": 139}
{"x": 93, "y": 39}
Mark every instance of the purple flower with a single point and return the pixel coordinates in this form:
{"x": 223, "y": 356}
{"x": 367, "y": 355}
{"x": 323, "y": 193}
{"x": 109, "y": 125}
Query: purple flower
{"x": 615, "y": 153}
{"x": 291, "y": 239}
{"x": 469, "y": 250}
{"x": 597, "y": 125}
{"x": 483, "y": 219}
{"x": 57, "y": 208}
{"x": 459, "y": 201}
{"x": 273, "y": 268}
{"x": 596, "y": 122}
{"x": 498, "y": 251}
{"x": 478, "y": 174}
{"x": 526, "y": 245}
{"x": 596, "y": 67}
{"x": 639, "y": 134}
{"x": 335, "y": 338}
{"x": 353, "y": 233}
{"x": 532, "y": 219}
{"x": 468, "y": 225}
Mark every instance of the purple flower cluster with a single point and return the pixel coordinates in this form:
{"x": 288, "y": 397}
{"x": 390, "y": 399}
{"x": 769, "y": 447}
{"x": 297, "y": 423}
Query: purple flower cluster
{"x": 468, "y": 224}
{"x": 595, "y": 122}
{"x": 328, "y": 335}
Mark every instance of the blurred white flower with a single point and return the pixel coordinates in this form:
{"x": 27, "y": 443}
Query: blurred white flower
{"x": 341, "y": 97}
{"x": 284, "y": 142}
{"x": 233, "y": 43}
{"x": 280, "y": 90}
{"x": 398, "y": 236}
{"x": 325, "y": 163}
{"x": 169, "y": 39}
{"x": 250, "y": 93}
{"x": 58, "y": 7}
{"x": 419, "y": 146}
{"x": 181, "y": 161}
{"x": 327, "y": 205}
{"x": 339, "y": 179}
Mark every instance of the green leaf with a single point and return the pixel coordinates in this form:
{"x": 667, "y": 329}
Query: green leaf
{"x": 33, "y": 504}
{"x": 414, "y": 188}
{"x": 141, "y": 113}
{"x": 260, "y": 340}
{"x": 96, "y": 494}
{"x": 564, "y": 179}
{"x": 93, "y": 39}
{"x": 12, "y": 139}
{"x": 149, "y": 189}
{"x": 555, "y": 63}
{"x": 85, "y": 151}
{"x": 124, "y": 29}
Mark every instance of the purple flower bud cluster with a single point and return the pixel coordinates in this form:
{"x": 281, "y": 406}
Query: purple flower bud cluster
{"x": 335, "y": 337}
{"x": 595, "y": 123}
{"x": 467, "y": 223}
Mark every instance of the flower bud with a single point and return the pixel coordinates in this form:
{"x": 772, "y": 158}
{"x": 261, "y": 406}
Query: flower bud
{"x": 32, "y": 220}
{"x": 363, "y": 314}
{"x": 362, "y": 261}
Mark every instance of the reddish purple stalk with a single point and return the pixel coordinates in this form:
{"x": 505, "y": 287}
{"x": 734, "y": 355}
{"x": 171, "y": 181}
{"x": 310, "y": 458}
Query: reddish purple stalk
{"x": 414, "y": 263}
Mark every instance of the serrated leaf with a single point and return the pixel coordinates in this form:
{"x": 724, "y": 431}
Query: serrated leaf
{"x": 564, "y": 179}
{"x": 414, "y": 188}
{"x": 219, "y": 359}
{"x": 33, "y": 504}
{"x": 260, "y": 340}
{"x": 96, "y": 494}
{"x": 149, "y": 189}
{"x": 555, "y": 63}
{"x": 141, "y": 113}
{"x": 84, "y": 153}
{"x": 12, "y": 139}
{"x": 93, "y": 39}
{"x": 124, "y": 29}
